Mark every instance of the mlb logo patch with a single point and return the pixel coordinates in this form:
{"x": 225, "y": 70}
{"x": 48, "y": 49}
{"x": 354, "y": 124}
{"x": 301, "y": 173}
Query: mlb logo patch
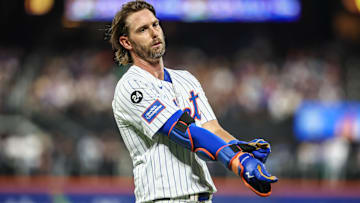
{"x": 152, "y": 111}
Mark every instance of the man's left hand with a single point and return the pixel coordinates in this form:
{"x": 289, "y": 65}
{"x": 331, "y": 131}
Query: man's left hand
{"x": 258, "y": 147}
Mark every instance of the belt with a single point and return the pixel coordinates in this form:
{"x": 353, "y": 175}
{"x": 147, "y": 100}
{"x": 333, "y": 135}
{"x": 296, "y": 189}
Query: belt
{"x": 200, "y": 197}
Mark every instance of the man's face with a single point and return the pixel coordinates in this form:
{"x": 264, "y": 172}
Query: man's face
{"x": 145, "y": 35}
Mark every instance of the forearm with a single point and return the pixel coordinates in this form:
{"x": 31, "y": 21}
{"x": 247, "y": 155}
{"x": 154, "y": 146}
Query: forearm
{"x": 258, "y": 147}
{"x": 181, "y": 129}
{"x": 214, "y": 127}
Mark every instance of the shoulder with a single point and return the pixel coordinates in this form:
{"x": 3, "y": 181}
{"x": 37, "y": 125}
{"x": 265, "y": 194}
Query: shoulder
{"x": 131, "y": 80}
{"x": 179, "y": 72}
{"x": 184, "y": 76}
{"x": 134, "y": 74}
{"x": 134, "y": 79}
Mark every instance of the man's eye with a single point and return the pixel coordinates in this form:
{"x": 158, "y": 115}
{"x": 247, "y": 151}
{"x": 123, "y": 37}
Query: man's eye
{"x": 156, "y": 24}
{"x": 142, "y": 30}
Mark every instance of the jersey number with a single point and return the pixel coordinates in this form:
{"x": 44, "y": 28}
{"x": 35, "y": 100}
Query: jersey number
{"x": 136, "y": 97}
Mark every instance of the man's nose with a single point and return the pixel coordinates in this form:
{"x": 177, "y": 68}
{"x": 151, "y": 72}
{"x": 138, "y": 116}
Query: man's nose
{"x": 154, "y": 32}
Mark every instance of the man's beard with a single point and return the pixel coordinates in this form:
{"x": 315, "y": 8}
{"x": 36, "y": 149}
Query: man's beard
{"x": 147, "y": 52}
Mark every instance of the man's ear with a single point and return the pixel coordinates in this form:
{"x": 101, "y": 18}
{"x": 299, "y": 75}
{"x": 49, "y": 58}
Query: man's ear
{"x": 124, "y": 41}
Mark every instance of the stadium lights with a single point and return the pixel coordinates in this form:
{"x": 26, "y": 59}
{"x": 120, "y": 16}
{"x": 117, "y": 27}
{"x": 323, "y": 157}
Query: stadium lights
{"x": 38, "y": 7}
{"x": 352, "y": 5}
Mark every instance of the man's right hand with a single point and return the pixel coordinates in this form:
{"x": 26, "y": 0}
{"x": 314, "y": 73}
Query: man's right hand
{"x": 251, "y": 170}
{"x": 253, "y": 173}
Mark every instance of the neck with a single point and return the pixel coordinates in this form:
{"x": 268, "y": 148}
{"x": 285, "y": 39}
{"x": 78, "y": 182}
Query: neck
{"x": 155, "y": 68}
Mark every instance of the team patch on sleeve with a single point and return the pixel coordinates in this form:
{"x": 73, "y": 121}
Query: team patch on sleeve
{"x": 152, "y": 111}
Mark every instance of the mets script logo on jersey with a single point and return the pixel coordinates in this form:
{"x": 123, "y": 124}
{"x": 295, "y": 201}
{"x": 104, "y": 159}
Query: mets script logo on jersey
{"x": 192, "y": 99}
{"x": 152, "y": 111}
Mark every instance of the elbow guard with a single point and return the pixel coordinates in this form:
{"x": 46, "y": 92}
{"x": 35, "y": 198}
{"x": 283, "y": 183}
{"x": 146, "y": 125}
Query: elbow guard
{"x": 179, "y": 131}
{"x": 181, "y": 128}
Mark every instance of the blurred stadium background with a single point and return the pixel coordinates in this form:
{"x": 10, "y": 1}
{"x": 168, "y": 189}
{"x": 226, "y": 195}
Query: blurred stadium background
{"x": 284, "y": 70}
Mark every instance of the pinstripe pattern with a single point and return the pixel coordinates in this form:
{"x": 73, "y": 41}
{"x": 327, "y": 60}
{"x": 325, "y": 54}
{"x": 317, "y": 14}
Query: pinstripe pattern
{"x": 162, "y": 169}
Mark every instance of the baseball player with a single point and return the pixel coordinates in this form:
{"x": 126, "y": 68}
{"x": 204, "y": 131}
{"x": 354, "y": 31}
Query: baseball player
{"x": 167, "y": 123}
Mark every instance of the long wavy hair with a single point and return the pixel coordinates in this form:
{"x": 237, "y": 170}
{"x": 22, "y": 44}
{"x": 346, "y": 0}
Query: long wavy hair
{"x": 120, "y": 28}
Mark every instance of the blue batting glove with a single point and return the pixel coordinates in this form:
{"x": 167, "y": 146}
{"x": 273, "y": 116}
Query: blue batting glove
{"x": 251, "y": 170}
{"x": 254, "y": 174}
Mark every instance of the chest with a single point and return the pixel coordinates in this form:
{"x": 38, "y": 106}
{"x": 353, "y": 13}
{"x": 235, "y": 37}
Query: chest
{"x": 184, "y": 96}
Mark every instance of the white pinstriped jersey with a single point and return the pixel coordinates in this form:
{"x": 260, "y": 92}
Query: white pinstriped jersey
{"x": 141, "y": 105}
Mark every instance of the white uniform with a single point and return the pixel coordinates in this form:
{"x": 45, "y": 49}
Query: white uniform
{"x": 141, "y": 105}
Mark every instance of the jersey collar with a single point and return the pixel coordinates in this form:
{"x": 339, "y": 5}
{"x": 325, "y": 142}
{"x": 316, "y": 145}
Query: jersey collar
{"x": 167, "y": 77}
